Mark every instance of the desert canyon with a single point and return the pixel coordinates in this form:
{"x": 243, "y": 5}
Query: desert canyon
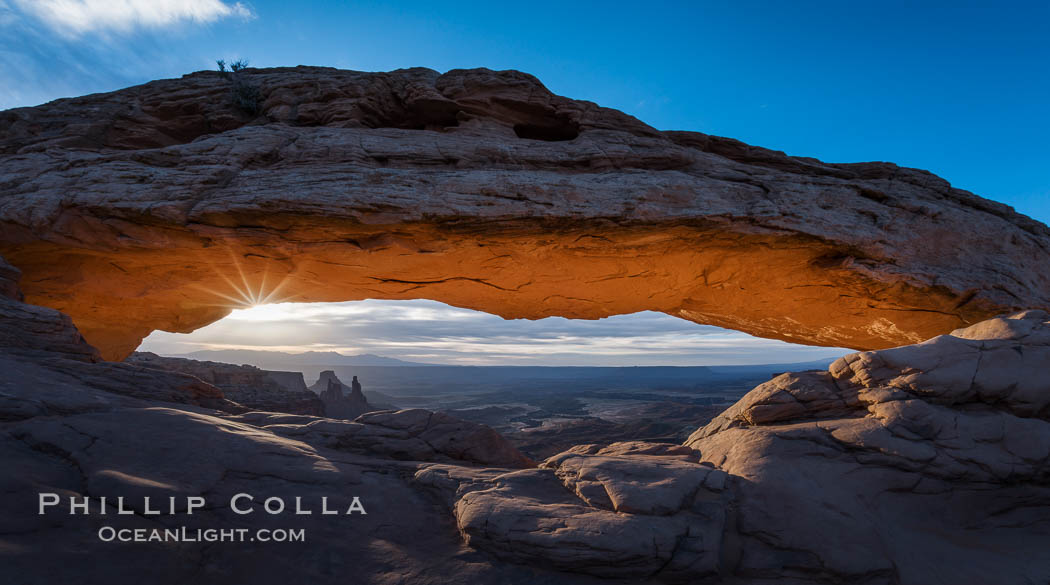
{"x": 923, "y": 458}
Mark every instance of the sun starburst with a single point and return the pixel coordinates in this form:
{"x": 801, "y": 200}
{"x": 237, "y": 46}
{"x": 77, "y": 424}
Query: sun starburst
{"x": 254, "y": 288}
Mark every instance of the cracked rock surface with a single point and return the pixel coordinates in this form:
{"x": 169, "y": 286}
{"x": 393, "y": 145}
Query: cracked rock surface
{"x": 413, "y": 434}
{"x": 927, "y": 463}
{"x": 163, "y": 206}
{"x": 923, "y": 464}
{"x": 649, "y": 512}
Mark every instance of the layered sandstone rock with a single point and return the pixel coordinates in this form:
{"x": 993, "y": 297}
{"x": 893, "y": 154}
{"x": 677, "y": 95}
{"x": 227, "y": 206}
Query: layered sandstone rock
{"x": 927, "y": 463}
{"x": 163, "y": 206}
{"x": 250, "y": 386}
{"x": 292, "y": 381}
{"x": 44, "y": 359}
{"x": 629, "y": 510}
{"x": 919, "y": 464}
{"x": 413, "y": 435}
{"x": 339, "y": 400}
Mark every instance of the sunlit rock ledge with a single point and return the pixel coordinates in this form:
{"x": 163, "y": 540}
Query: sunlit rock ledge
{"x": 927, "y": 463}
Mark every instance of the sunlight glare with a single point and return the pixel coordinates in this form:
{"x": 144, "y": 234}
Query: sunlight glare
{"x": 263, "y": 313}
{"x": 246, "y": 296}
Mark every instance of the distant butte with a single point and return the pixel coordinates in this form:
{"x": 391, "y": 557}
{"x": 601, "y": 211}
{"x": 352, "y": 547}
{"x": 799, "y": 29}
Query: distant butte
{"x": 162, "y": 206}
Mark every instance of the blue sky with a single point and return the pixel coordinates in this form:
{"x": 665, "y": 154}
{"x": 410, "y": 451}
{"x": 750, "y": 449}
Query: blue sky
{"x": 958, "y": 88}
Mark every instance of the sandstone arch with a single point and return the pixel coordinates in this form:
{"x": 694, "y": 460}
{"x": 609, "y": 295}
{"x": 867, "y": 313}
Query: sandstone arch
{"x": 162, "y": 206}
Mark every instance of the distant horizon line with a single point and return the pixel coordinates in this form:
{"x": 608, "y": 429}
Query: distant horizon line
{"x": 404, "y": 363}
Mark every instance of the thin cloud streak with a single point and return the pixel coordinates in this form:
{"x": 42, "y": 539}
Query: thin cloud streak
{"x": 74, "y": 18}
{"x": 42, "y": 59}
{"x": 432, "y": 332}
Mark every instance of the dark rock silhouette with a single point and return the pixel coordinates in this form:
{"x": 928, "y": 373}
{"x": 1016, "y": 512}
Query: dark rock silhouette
{"x": 332, "y": 392}
{"x": 291, "y": 380}
{"x": 250, "y": 386}
{"x": 337, "y": 404}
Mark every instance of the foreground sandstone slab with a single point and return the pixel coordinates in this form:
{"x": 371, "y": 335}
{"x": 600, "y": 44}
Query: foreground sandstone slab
{"x": 642, "y": 515}
{"x": 927, "y": 463}
{"x": 921, "y": 464}
{"x": 413, "y": 435}
{"x": 163, "y": 206}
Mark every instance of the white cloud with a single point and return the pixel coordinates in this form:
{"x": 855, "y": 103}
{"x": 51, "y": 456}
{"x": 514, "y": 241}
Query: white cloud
{"x": 371, "y": 310}
{"x": 429, "y": 331}
{"x": 76, "y": 17}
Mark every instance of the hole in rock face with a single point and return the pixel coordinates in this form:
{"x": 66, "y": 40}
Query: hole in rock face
{"x": 422, "y": 115}
{"x": 535, "y": 121}
{"x": 545, "y": 384}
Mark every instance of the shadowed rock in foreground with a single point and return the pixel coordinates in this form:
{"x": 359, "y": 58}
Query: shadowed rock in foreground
{"x": 412, "y": 435}
{"x": 163, "y": 206}
{"x": 923, "y": 464}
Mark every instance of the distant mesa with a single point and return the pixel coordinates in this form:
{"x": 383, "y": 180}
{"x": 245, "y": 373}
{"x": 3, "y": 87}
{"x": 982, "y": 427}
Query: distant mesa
{"x": 271, "y": 390}
{"x": 249, "y": 386}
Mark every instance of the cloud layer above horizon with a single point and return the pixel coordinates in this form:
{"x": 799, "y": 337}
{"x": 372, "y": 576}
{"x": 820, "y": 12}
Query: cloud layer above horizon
{"x": 432, "y": 332}
{"x": 73, "y": 18}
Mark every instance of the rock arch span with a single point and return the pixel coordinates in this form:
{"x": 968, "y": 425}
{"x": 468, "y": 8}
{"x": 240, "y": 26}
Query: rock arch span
{"x": 163, "y": 206}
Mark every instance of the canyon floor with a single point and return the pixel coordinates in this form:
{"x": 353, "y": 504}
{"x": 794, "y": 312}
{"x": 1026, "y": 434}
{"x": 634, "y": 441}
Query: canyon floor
{"x": 545, "y": 410}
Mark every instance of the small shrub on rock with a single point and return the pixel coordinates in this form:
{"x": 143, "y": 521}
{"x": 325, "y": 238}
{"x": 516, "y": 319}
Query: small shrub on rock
{"x": 245, "y": 95}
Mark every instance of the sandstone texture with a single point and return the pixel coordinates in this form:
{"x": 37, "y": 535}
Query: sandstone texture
{"x": 249, "y": 386}
{"x": 626, "y": 513}
{"x": 163, "y": 206}
{"x": 412, "y": 434}
{"x": 924, "y": 464}
{"x": 63, "y": 365}
{"x": 921, "y": 464}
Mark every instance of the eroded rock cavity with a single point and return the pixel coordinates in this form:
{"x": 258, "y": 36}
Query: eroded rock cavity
{"x": 163, "y": 206}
